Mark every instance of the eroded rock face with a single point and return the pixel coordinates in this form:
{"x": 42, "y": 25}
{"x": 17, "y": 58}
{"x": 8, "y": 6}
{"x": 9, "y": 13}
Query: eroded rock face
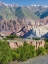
{"x": 20, "y": 27}
{"x": 14, "y": 18}
{"x": 40, "y": 31}
{"x": 14, "y": 45}
{"x": 9, "y": 26}
{"x": 39, "y": 28}
{"x": 36, "y": 43}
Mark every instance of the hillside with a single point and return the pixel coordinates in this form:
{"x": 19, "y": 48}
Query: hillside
{"x": 44, "y": 20}
{"x": 13, "y": 17}
{"x": 39, "y": 29}
{"x": 23, "y": 19}
{"x": 12, "y": 11}
{"x": 7, "y": 12}
{"x": 22, "y": 12}
{"x": 41, "y": 11}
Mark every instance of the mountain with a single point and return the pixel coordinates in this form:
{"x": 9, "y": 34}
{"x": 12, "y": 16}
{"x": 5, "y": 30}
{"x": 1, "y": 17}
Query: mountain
{"x": 13, "y": 17}
{"x": 44, "y": 20}
{"x": 22, "y": 12}
{"x": 13, "y": 11}
{"x": 41, "y": 11}
{"x": 25, "y": 21}
{"x": 7, "y": 12}
{"x": 29, "y": 34}
{"x": 39, "y": 29}
{"x": 45, "y": 36}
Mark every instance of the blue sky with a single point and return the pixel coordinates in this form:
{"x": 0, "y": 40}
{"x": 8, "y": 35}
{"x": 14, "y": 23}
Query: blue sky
{"x": 26, "y": 2}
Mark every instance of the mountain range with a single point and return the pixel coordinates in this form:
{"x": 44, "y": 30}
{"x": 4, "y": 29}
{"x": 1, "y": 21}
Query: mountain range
{"x": 23, "y": 19}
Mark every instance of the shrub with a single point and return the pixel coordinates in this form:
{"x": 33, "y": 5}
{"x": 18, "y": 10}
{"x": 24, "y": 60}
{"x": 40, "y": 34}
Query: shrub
{"x": 36, "y": 38}
{"x": 12, "y": 36}
{"x": 46, "y": 47}
{"x": 46, "y": 40}
{"x": 5, "y": 53}
{"x": 15, "y": 56}
{"x": 41, "y": 51}
{"x": 26, "y": 52}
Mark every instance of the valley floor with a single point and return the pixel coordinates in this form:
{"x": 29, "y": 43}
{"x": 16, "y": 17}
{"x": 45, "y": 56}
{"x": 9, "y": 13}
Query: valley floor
{"x": 37, "y": 60}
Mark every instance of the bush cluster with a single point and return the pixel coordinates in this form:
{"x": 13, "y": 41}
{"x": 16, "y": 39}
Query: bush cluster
{"x": 12, "y": 36}
{"x": 46, "y": 45}
{"x": 22, "y": 53}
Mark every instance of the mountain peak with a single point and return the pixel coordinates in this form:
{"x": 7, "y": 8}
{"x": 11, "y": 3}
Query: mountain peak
{"x": 10, "y": 5}
{"x": 38, "y": 6}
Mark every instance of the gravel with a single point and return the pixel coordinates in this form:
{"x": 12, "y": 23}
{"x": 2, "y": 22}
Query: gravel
{"x": 37, "y": 60}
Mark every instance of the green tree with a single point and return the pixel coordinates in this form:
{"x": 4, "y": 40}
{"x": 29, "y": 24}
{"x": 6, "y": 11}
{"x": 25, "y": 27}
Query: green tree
{"x": 12, "y": 36}
{"x": 5, "y": 53}
{"x": 26, "y": 52}
{"x": 41, "y": 51}
{"x": 46, "y": 47}
{"x": 15, "y": 56}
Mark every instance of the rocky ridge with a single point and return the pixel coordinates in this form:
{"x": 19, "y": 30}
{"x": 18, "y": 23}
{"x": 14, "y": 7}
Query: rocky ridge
{"x": 14, "y": 18}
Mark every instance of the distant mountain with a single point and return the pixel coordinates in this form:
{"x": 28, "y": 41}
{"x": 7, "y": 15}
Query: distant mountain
{"x": 41, "y": 11}
{"x": 7, "y": 12}
{"x": 45, "y": 36}
{"x": 13, "y": 11}
{"x": 44, "y": 14}
{"x": 38, "y": 31}
{"x": 24, "y": 13}
{"x": 29, "y": 34}
{"x": 44, "y": 20}
{"x": 25, "y": 21}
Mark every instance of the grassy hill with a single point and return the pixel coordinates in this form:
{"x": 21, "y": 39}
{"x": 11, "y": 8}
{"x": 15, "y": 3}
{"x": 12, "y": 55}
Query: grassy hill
{"x": 7, "y": 13}
{"x": 22, "y": 12}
